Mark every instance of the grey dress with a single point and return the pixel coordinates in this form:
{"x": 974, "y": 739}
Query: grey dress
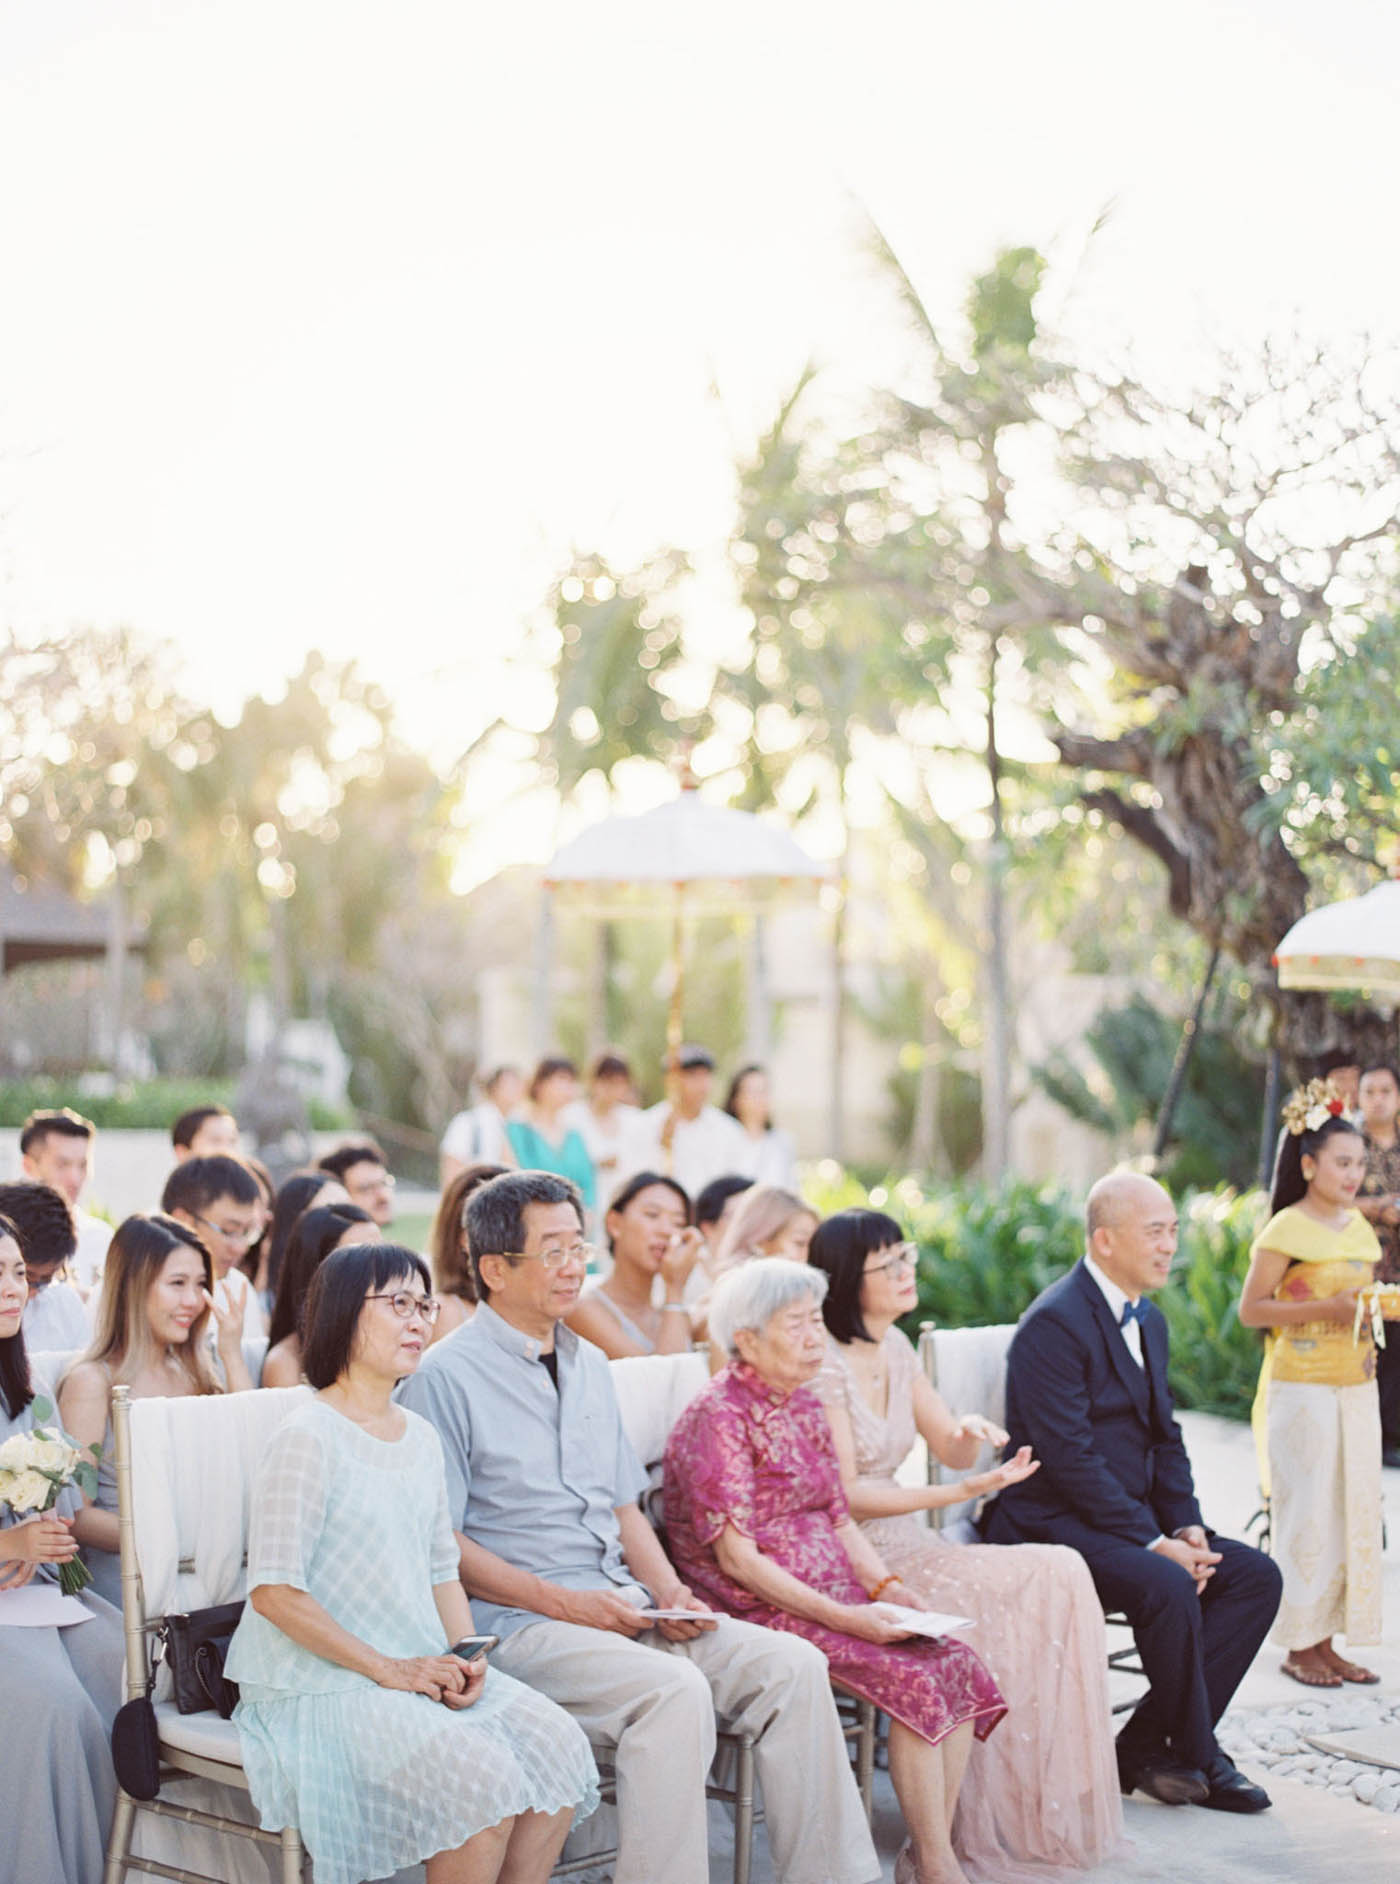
{"x": 59, "y": 1689}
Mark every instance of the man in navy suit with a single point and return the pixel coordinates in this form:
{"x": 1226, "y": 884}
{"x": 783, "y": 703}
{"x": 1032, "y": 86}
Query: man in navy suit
{"x": 1086, "y": 1386}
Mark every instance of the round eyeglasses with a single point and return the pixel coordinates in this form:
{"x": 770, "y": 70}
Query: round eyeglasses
{"x": 551, "y": 1258}
{"x": 902, "y": 1256}
{"x": 406, "y": 1305}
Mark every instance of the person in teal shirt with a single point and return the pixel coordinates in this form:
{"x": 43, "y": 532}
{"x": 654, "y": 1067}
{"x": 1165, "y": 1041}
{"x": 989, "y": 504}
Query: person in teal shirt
{"x": 543, "y": 1140}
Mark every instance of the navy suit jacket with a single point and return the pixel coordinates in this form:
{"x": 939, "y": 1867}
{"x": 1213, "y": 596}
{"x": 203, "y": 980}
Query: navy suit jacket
{"x": 1113, "y": 1465}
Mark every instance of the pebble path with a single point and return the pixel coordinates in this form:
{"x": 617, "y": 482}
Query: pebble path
{"x": 1275, "y": 1740}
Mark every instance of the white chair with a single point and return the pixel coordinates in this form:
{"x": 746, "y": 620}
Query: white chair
{"x": 967, "y": 1367}
{"x": 185, "y": 1469}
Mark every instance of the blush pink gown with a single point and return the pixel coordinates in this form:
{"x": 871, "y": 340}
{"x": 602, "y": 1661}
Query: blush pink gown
{"x": 1041, "y": 1797}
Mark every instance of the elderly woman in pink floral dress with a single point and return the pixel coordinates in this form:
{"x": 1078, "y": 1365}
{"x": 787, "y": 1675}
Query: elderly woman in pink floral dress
{"x": 758, "y": 1525}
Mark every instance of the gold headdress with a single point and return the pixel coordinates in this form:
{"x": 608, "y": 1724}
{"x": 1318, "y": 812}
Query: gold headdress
{"x": 1311, "y": 1106}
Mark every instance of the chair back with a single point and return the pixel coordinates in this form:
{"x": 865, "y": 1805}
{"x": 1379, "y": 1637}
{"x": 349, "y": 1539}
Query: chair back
{"x": 967, "y": 1367}
{"x": 48, "y": 1366}
{"x": 653, "y": 1390}
{"x": 185, "y": 1471}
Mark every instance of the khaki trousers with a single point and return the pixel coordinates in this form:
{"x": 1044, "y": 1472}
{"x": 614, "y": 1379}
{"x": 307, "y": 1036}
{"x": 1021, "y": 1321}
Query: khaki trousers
{"x": 652, "y": 1704}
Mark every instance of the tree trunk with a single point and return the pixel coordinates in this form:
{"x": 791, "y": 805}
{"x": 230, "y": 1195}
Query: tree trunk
{"x": 996, "y": 1068}
{"x": 925, "y": 1145}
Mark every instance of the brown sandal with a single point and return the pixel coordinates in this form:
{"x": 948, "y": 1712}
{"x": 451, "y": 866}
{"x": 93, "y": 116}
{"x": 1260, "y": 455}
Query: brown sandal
{"x": 1310, "y": 1674}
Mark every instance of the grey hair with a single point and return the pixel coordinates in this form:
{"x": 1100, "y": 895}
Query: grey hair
{"x": 495, "y": 1213}
{"x": 751, "y": 1295}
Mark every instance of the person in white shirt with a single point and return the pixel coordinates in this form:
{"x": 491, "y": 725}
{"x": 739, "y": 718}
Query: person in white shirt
{"x": 604, "y": 1118}
{"x": 685, "y": 1137}
{"x": 478, "y": 1134}
{"x": 221, "y": 1201}
{"x": 205, "y": 1132}
{"x": 770, "y": 1156}
{"x": 56, "y": 1149}
{"x": 56, "y": 1318}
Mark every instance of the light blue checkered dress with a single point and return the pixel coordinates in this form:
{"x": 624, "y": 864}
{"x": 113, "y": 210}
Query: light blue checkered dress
{"x": 377, "y": 1779}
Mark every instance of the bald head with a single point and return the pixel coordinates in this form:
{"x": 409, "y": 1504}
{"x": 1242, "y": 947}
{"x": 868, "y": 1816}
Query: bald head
{"x": 1130, "y": 1228}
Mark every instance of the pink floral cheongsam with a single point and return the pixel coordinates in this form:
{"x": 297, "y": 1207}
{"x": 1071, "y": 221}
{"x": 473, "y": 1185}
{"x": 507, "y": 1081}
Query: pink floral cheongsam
{"x": 742, "y": 1453}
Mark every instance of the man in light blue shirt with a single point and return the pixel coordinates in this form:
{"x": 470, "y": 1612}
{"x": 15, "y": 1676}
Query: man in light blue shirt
{"x": 543, "y": 1488}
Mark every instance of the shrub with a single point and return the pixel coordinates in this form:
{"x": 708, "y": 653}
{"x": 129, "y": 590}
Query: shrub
{"x": 148, "y": 1105}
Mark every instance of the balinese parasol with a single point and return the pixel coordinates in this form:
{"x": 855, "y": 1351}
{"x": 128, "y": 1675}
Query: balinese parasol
{"x": 1354, "y": 944}
{"x": 682, "y": 859}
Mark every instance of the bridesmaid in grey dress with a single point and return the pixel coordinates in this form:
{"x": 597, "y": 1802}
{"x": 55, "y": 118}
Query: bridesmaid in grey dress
{"x": 59, "y": 1688}
{"x": 157, "y": 1301}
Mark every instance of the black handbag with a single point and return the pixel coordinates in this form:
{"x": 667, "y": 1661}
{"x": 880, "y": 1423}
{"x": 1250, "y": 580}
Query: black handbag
{"x": 136, "y": 1748}
{"x": 195, "y": 1646}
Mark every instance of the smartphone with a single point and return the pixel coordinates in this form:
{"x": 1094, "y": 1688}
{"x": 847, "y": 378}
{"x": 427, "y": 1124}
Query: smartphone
{"x": 471, "y": 1646}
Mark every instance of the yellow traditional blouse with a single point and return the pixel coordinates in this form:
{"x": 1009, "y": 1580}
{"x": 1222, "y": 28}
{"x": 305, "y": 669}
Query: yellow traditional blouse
{"x": 1323, "y": 1262}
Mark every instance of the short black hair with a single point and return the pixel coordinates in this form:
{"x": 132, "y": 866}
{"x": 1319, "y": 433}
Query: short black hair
{"x": 198, "y": 1184}
{"x": 337, "y": 1297}
{"x": 345, "y": 1157}
{"x": 16, "y": 1388}
{"x": 185, "y": 1128}
{"x": 1338, "y": 1057}
{"x": 496, "y": 1214}
{"x": 839, "y": 1247}
{"x": 43, "y": 1220}
{"x": 63, "y": 1120}
{"x": 610, "y": 1066}
{"x": 551, "y": 1064}
{"x": 709, "y": 1205}
{"x": 1376, "y": 1066}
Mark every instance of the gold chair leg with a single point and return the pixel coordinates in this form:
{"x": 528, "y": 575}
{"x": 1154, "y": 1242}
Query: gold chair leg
{"x": 119, "y": 1842}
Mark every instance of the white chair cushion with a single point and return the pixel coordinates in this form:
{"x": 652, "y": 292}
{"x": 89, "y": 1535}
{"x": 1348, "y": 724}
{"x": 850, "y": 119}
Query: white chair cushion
{"x": 192, "y": 1469}
{"x": 968, "y": 1368}
{"x": 204, "y": 1735}
{"x": 652, "y": 1392}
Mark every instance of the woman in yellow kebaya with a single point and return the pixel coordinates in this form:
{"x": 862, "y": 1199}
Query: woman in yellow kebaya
{"x": 1317, "y": 1392}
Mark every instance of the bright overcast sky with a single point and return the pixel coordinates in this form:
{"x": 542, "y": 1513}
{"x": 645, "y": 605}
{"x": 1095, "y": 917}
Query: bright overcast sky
{"x": 335, "y": 324}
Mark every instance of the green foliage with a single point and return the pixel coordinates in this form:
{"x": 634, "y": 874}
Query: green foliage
{"x": 984, "y": 1256}
{"x": 1215, "y": 1360}
{"x": 151, "y": 1105}
{"x": 1215, "y": 1127}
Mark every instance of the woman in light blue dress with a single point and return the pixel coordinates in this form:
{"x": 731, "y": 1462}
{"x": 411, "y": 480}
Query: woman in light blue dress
{"x": 359, "y": 1725}
{"x": 59, "y": 1688}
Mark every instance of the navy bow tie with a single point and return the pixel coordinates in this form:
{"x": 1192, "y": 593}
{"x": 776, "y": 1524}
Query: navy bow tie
{"x": 1132, "y": 1311}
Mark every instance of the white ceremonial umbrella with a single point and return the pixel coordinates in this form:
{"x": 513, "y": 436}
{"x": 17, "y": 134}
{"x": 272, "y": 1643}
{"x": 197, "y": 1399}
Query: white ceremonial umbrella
{"x": 1353, "y": 944}
{"x": 683, "y": 858}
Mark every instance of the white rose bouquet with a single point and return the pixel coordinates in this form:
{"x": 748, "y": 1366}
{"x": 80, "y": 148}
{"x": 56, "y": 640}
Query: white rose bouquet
{"x": 34, "y": 1468}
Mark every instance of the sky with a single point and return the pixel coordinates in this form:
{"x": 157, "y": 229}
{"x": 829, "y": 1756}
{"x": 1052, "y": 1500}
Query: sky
{"x": 333, "y": 324}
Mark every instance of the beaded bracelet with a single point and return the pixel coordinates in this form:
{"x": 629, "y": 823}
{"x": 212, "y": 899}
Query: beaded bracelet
{"x": 884, "y": 1584}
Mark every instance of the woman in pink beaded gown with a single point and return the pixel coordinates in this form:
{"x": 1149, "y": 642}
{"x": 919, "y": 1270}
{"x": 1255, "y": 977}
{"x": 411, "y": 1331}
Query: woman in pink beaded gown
{"x": 758, "y": 1526}
{"x": 1043, "y": 1796}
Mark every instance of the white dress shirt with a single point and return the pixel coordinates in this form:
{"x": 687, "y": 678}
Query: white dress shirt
{"x": 1131, "y": 1331}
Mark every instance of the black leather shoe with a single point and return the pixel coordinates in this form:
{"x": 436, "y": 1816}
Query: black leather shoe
{"x": 1230, "y": 1791}
{"x": 1165, "y": 1780}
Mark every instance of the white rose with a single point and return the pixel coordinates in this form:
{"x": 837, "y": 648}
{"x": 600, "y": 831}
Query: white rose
{"x": 28, "y": 1491}
{"x": 1317, "y": 1118}
{"x": 52, "y": 1455}
{"x": 14, "y": 1454}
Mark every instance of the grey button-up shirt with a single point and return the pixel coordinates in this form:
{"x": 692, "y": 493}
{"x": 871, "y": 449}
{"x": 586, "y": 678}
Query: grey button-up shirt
{"x": 534, "y": 1473}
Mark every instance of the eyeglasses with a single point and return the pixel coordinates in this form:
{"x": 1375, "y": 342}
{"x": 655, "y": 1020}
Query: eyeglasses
{"x": 902, "y": 1256}
{"x": 406, "y": 1305}
{"x": 551, "y": 1258}
{"x": 386, "y": 1181}
{"x": 236, "y": 1239}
